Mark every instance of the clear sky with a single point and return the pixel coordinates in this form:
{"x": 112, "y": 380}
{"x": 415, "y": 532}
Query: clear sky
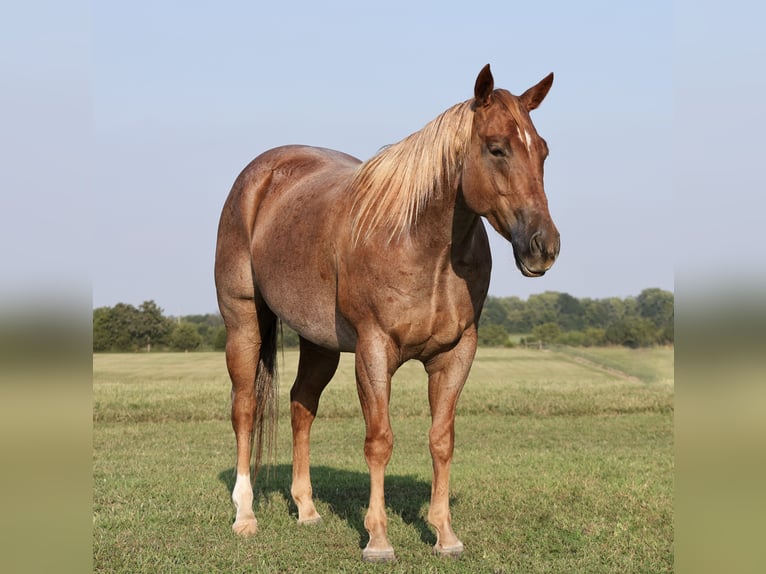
{"x": 170, "y": 100}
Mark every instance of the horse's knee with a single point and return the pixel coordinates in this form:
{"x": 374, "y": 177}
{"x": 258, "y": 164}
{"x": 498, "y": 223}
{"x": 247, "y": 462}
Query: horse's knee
{"x": 441, "y": 443}
{"x": 379, "y": 445}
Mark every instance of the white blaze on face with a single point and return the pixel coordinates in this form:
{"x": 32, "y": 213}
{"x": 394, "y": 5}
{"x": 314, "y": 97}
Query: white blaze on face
{"x": 526, "y": 138}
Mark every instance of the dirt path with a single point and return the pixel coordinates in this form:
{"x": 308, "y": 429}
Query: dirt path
{"x": 604, "y": 369}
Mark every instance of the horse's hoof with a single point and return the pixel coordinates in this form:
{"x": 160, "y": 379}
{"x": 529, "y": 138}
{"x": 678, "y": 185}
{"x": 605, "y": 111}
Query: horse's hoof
{"x": 316, "y": 521}
{"x": 378, "y": 556}
{"x": 449, "y": 552}
{"x": 245, "y": 527}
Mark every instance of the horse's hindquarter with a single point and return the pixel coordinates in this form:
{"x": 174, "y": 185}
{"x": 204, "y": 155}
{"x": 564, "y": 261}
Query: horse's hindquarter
{"x": 293, "y": 241}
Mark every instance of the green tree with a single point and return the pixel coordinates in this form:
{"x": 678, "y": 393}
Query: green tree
{"x": 547, "y": 333}
{"x": 631, "y": 332}
{"x": 127, "y": 328}
{"x": 515, "y": 308}
{"x": 570, "y": 313}
{"x": 593, "y": 337}
{"x": 571, "y": 338}
{"x": 541, "y": 309}
{"x": 102, "y": 334}
{"x": 494, "y": 313}
{"x": 152, "y": 327}
{"x": 665, "y": 336}
{"x": 208, "y": 326}
{"x": 185, "y": 337}
{"x": 492, "y": 335}
{"x": 658, "y": 306}
{"x": 115, "y": 328}
{"x": 600, "y": 313}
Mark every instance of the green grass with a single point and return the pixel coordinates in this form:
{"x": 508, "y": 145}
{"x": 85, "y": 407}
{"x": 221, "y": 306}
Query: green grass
{"x": 561, "y": 465}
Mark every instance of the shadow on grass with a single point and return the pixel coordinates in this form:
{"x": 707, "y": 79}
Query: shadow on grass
{"x": 347, "y": 494}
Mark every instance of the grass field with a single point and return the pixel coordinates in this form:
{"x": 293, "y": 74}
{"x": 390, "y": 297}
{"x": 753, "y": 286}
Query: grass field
{"x": 563, "y": 463}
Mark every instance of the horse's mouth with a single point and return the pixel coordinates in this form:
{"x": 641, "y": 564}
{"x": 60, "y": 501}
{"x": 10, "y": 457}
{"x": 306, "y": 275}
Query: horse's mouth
{"x": 526, "y": 271}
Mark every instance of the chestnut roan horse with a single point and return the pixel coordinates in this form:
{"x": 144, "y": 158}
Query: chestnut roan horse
{"x": 387, "y": 259}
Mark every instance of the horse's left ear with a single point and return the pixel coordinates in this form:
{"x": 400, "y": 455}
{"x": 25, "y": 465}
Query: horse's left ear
{"x": 534, "y": 96}
{"x": 485, "y": 85}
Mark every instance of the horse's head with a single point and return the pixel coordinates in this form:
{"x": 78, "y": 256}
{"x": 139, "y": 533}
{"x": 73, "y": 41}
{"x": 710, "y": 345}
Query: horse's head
{"x": 503, "y": 172}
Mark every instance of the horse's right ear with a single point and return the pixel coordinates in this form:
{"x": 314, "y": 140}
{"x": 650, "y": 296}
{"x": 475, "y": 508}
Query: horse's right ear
{"x": 485, "y": 85}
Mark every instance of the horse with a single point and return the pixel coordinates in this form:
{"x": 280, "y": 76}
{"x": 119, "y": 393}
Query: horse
{"x": 388, "y": 259}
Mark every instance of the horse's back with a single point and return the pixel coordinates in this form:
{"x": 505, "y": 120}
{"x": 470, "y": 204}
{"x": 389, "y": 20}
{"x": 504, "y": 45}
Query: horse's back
{"x": 296, "y": 161}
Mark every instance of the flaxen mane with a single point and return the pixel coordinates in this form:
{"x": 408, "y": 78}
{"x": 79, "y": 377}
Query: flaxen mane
{"x": 391, "y": 188}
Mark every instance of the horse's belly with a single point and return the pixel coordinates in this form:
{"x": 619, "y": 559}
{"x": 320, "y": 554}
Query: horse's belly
{"x": 323, "y": 329}
{"x": 298, "y": 281}
{"x": 309, "y": 310}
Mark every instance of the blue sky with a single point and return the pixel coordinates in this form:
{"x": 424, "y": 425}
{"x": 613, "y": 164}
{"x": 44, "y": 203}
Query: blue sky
{"x": 155, "y": 107}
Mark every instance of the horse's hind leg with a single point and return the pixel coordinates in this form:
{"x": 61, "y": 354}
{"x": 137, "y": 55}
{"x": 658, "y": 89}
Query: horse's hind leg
{"x": 243, "y": 350}
{"x": 315, "y": 369}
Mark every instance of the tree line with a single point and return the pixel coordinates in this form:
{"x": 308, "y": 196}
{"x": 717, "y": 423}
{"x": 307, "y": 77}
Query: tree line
{"x": 125, "y": 328}
{"x": 559, "y": 318}
{"x": 549, "y": 318}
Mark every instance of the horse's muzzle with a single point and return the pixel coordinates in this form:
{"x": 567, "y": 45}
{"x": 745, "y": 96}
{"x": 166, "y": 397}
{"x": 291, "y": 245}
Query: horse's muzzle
{"x": 535, "y": 256}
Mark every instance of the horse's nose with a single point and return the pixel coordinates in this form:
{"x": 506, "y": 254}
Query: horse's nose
{"x": 545, "y": 244}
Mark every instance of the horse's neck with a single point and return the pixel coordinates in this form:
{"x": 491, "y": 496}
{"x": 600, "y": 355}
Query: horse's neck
{"x": 447, "y": 221}
{"x": 464, "y": 221}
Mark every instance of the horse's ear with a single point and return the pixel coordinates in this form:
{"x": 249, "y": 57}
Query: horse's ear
{"x": 485, "y": 85}
{"x": 534, "y": 96}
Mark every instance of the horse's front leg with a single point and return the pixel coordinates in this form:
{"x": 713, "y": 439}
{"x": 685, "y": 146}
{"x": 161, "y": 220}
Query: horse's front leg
{"x": 374, "y": 368}
{"x": 447, "y": 374}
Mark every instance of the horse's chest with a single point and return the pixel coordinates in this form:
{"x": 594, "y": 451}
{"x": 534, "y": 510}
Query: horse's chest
{"x": 432, "y": 338}
{"x": 422, "y": 301}
{"x": 423, "y": 326}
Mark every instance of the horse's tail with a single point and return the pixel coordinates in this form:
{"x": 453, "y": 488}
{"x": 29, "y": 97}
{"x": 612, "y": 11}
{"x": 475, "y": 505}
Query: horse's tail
{"x": 266, "y": 395}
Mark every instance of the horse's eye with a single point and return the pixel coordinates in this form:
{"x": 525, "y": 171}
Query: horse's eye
{"x": 497, "y": 151}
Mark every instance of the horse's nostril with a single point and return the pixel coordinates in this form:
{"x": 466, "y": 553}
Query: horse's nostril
{"x": 536, "y": 243}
